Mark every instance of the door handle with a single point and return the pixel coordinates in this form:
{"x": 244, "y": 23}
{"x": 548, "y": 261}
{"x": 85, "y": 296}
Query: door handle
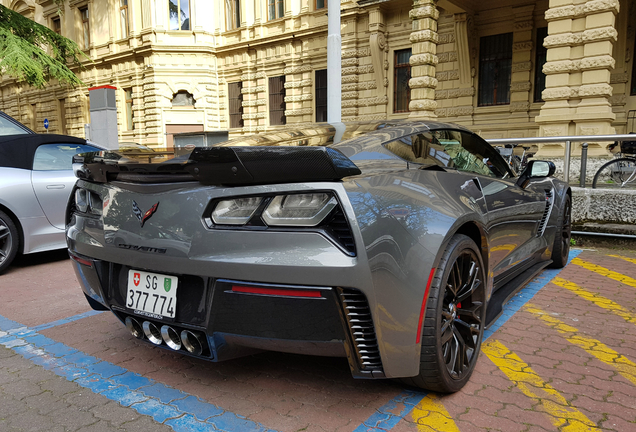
{"x": 55, "y": 186}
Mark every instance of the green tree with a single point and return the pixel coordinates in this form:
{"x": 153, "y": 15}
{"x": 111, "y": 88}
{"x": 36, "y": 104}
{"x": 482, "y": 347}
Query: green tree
{"x": 34, "y": 53}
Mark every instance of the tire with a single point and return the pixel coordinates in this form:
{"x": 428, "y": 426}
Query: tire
{"x": 561, "y": 245}
{"x": 9, "y": 241}
{"x": 614, "y": 173}
{"x": 453, "y": 330}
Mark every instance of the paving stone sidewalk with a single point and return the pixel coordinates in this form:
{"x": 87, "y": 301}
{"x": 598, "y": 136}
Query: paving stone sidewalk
{"x": 34, "y": 399}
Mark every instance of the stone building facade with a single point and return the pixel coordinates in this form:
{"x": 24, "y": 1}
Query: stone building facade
{"x": 513, "y": 68}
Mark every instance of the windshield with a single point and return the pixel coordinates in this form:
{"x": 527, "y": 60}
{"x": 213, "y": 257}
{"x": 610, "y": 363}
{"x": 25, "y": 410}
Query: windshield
{"x": 11, "y": 127}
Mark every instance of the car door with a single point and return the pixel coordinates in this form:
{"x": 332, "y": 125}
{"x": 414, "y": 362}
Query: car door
{"x": 513, "y": 212}
{"x": 53, "y": 179}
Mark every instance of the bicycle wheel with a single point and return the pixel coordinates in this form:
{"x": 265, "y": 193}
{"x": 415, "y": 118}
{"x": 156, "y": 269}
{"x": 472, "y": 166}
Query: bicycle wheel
{"x": 618, "y": 173}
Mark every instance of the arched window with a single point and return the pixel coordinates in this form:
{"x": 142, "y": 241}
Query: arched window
{"x": 183, "y": 99}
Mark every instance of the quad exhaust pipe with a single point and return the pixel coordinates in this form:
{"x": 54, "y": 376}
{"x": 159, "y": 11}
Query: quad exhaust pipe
{"x": 192, "y": 341}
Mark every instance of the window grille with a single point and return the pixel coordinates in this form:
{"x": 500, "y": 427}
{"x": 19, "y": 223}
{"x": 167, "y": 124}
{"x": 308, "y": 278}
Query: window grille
{"x": 401, "y": 77}
{"x": 321, "y": 95}
{"x": 277, "y": 100}
{"x": 495, "y": 66}
{"x": 235, "y": 99}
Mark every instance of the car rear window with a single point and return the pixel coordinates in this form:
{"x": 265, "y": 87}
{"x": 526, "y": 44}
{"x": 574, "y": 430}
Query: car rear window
{"x": 53, "y": 157}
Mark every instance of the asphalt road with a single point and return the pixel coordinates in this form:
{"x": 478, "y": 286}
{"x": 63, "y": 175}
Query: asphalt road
{"x": 561, "y": 357}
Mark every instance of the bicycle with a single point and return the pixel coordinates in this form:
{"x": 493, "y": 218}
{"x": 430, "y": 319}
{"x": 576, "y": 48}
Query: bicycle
{"x": 517, "y": 163}
{"x": 618, "y": 172}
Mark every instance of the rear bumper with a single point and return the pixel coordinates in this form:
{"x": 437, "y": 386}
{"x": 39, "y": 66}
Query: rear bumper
{"x": 337, "y": 322}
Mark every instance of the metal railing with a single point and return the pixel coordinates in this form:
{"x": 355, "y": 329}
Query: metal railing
{"x": 568, "y": 140}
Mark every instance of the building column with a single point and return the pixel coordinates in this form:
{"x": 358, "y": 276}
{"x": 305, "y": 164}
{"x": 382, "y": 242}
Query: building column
{"x": 520, "y": 84}
{"x": 579, "y": 42}
{"x": 424, "y": 40}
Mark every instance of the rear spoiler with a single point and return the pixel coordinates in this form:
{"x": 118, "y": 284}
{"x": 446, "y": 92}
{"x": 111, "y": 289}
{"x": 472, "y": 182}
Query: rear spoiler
{"x": 219, "y": 166}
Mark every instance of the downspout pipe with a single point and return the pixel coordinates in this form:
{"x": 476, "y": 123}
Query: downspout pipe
{"x": 334, "y": 63}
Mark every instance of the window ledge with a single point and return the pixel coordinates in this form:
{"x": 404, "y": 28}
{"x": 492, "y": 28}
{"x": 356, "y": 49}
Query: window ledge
{"x": 494, "y": 109}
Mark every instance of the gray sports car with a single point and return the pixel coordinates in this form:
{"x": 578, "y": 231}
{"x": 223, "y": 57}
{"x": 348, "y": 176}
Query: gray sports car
{"x": 392, "y": 244}
{"x": 36, "y": 179}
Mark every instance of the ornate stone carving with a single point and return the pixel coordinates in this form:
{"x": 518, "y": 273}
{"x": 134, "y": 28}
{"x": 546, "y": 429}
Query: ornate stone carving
{"x": 453, "y": 74}
{"x": 368, "y": 117}
{"x": 600, "y": 34}
{"x": 445, "y": 38}
{"x": 456, "y": 93}
{"x": 618, "y": 78}
{"x": 524, "y": 25}
{"x": 350, "y": 62}
{"x": 524, "y": 86}
{"x": 521, "y": 67}
{"x": 350, "y": 112}
{"x": 428, "y": 11}
{"x": 595, "y": 90}
{"x": 250, "y": 90}
{"x": 597, "y": 6}
{"x": 349, "y": 95}
{"x": 555, "y": 67}
{"x": 299, "y": 98}
{"x": 254, "y": 116}
{"x": 304, "y": 111}
{"x": 522, "y": 46}
{"x": 297, "y": 69}
{"x": 349, "y": 87}
{"x": 441, "y": 76}
{"x": 253, "y": 103}
{"x": 377, "y": 43}
{"x": 422, "y": 105}
{"x": 597, "y": 62}
{"x": 423, "y": 59}
{"x": 446, "y": 57}
{"x": 349, "y": 70}
{"x": 349, "y": 79}
{"x": 367, "y": 85}
{"x": 365, "y": 69}
{"x": 361, "y": 52}
{"x": 349, "y": 103}
{"x": 298, "y": 84}
{"x": 519, "y": 106}
{"x": 249, "y": 76}
{"x": 381, "y": 100}
{"x": 423, "y": 82}
{"x": 424, "y": 36}
{"x": 558, "y": 93}
{"x": 618, "y": 100}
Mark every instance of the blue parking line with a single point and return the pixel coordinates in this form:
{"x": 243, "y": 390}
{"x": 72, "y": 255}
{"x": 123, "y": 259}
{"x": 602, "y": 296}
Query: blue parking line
{"x": 179, "y": 410}
{"x": 384, "y": 419}
{"x": 66, "y": 320}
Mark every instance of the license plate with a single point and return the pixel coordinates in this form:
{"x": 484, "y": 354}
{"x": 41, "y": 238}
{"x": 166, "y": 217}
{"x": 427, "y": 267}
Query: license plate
{"x": 152, "y": 294}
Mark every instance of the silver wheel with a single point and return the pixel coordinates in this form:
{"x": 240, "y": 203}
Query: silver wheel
{"x": 9, "y": 241}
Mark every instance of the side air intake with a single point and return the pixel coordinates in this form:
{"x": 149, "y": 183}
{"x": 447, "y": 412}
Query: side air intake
{"x": 549, "y": 201}
{"x": 358, "y": 314}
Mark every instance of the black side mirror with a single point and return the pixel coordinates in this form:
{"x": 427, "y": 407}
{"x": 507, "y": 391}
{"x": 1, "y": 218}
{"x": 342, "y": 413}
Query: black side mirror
{"x": 536, "y": 169}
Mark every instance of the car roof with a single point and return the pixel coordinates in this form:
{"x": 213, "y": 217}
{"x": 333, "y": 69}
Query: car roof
{"x": 17, "y": 151}
{"x": 324, "y": 134}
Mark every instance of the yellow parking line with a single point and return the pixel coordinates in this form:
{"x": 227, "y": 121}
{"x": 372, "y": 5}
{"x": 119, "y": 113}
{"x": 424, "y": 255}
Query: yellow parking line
{"x": 625, "y": 367}
{"x": 631, "y": 260}
{"x": 597, "y": 299}
{"x": 561, "y": 413}
{"x": 605, "y": 272}
{"x": 433, "y": 416}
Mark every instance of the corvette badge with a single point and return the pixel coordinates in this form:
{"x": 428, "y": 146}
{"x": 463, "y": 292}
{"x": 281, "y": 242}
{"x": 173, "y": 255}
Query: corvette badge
{"x": 145, "y": 216}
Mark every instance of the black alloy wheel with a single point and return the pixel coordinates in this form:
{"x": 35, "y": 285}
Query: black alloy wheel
{"x": 563, "y": 235}
{"x": 461, "y": 320}
{"x": 455, "y": 318}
